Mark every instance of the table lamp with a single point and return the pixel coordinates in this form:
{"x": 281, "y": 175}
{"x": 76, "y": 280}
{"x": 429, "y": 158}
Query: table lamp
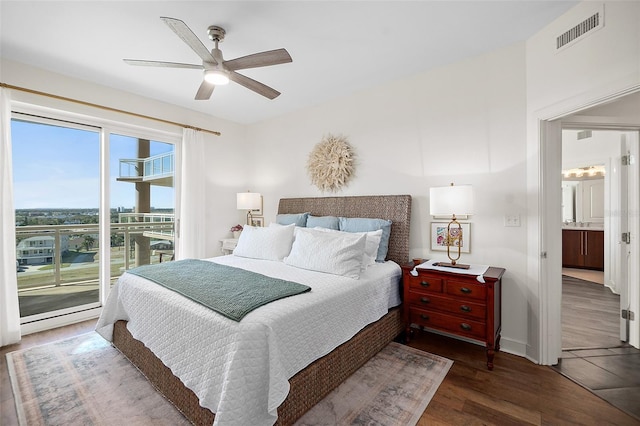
{"x": 449, "y": 201}
{"x": 248, "y": 201}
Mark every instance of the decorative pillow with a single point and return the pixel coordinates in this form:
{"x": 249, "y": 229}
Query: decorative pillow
{"x": 299, "y": 219}
{"x": 333, "y": 253}
{"x": 295, "y": 228}
{"x": 358, "y": 224}
{"x": 371, "y": 245}
{"x": 328, "y": 222}
{"x": 270, "y": 243}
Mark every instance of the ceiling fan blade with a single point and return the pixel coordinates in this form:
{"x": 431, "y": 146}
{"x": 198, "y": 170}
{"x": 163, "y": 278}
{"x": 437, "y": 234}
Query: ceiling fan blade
{"x": 161, "y": 64}
{"x": 256, "y": 86}
{"x": 204, "y": 91}
{"x": 262, "y": 59}
{"x": 185, "y": 33}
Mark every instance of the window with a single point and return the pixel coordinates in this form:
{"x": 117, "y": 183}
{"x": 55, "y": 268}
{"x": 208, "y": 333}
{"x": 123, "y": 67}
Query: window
{"x": 74, "y": 238}
{"x": 142, "y": 200}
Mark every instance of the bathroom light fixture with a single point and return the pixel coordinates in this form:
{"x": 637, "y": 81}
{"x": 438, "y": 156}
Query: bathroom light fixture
{"x": 597, "y": 171}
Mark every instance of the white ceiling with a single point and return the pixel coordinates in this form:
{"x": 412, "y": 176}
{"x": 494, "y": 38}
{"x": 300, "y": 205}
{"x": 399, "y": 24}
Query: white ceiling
{"x": 337, "y": 47}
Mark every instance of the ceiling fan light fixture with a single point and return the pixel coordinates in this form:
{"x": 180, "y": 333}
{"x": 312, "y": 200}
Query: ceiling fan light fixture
{"x": 217, "y": 71}
{"x": 216, "y": 77}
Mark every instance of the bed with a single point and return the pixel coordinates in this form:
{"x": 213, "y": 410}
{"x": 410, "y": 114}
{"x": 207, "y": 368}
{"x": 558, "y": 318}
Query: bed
{"x": 310, "y": 384}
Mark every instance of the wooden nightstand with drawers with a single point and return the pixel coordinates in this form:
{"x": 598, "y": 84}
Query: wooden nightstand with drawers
{"x": 455, "y": 304}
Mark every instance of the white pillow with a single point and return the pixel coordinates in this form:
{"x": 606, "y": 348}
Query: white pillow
{"x": 371, "y": 249}
{"x": 271, "y": 243}
{"x": 333, "y": 253}
{"x": 371, "y": 245}
{"x": 295, "y": 229}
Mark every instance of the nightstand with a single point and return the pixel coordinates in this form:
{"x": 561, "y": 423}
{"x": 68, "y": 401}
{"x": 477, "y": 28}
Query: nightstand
{"x": 455, "y": 304}
{"x": 228, "y": 245}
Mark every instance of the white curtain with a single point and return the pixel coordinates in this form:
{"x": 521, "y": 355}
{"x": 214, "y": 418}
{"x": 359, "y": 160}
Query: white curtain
{"x": 9, "y": 309}
{"x": 192, "y": 204}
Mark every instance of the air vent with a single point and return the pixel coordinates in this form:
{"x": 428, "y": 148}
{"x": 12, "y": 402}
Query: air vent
{"x": 584, "y": 28}
{"x": 584, "y": 134}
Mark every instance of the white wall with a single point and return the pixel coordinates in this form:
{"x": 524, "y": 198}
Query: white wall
{"x": 601, "y": 147}
{"x": 602, "y": 63}
{"x": 462, "y": 123}
{"x": 601, "y": 66}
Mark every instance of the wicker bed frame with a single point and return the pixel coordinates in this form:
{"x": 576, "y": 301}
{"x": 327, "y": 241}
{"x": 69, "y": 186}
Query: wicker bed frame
{"x": 313, "y": 383}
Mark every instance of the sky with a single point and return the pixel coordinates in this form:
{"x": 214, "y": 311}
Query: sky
{"x": 58, "y": 167}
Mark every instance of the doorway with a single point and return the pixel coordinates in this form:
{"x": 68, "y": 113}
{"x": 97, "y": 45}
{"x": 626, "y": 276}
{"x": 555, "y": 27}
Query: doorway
{"x": 595, "y": 352}
{"x": 591, "y": 196}
{"x": 615, "y": 112}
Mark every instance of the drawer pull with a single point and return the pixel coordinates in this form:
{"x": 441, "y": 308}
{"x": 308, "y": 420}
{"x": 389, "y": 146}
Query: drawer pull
{"x": 465, "y": 290}
{"x": 424, "y": 317}
{"x": 425, "y": 300}
{"x": 465, "y": 308}
{"x": 465, "y": 326}
{"x": 425, "y": 284}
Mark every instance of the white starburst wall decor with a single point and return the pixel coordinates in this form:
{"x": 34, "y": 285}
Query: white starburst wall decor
{"x": 331, "y": 163}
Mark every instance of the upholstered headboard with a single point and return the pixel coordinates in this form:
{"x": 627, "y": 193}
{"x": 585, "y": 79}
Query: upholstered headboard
{"x": 396, "y": 208}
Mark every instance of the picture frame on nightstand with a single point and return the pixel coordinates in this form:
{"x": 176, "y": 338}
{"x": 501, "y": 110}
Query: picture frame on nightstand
{"x": 439, "y": 236}
{"x": 257, "y": 221}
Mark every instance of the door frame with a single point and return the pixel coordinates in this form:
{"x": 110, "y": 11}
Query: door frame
{"x": 546, "y": 258}
{"x": 620, "y": 185}
{"x": 629, "y": 300}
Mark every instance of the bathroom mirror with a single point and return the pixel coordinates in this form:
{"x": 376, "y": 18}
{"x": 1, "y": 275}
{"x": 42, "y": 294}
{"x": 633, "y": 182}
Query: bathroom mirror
{"x": 583, "y": 192}
{"x": 569, "y": 189}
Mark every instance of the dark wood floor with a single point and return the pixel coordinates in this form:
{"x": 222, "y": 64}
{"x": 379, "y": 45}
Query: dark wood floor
{"x": 516, "y": 392}
{"x": 593, "y": 354}
{"x": 590, "y": 315}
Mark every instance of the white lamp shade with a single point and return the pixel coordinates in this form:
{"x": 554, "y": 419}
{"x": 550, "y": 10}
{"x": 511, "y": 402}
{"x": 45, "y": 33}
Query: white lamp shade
{"x": 248, "y": 200}
{"x": 450, "y": 200}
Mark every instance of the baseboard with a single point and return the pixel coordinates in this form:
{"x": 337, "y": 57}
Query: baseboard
{"x": 514, "y": 347}
{"x": 506, "y": 345}
{"x": 59, "y": 321}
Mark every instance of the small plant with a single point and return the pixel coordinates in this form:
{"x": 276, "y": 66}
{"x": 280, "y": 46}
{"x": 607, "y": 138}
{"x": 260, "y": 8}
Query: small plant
{"x": 236, "y": 228}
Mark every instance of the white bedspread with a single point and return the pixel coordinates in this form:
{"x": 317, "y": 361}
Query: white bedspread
{"x": 240, "y": 370}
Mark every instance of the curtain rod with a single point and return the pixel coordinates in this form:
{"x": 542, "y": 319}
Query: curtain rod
{"x": 63, "y": 98}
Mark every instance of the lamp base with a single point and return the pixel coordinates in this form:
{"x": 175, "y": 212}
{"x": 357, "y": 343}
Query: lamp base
{"x": 451, "y": 265}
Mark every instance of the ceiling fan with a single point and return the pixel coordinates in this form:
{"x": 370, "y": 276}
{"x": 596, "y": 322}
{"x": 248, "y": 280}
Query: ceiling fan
{"x": 217, "y": 71}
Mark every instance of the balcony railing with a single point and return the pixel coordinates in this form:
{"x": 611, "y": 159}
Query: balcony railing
{"x": 80, "y": 259}
{"x": 145, "y": 217}
{"x": 155, "y": 218}
{"x": 156, "y": 167}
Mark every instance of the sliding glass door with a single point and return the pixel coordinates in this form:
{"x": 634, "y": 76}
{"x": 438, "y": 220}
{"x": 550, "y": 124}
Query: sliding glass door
{"x": 142, "y": 202}
{"x": 56, "y": 198}
{"x": 90, "y": 203}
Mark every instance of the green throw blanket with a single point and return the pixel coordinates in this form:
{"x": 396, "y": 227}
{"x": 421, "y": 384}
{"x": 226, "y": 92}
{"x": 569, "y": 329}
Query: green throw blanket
{"x": 230, "y": 291}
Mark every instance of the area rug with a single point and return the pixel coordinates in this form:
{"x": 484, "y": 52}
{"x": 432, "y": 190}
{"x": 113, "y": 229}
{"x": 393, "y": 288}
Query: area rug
{"x": 392, "y": 388}
{"x": 85, "y": 381}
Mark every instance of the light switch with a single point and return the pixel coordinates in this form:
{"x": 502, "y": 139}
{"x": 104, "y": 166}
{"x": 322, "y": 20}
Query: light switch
{"x": 512, "y": 220}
